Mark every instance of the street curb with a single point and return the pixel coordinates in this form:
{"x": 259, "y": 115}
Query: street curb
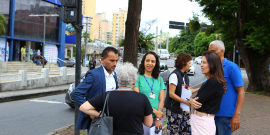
{"x": 32, "y": 95}
{"x": 59, "y": 129}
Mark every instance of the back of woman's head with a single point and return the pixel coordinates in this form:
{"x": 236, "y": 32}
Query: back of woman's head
{"x": 126, "y": 73}
{"x": 215, "y": 66}
{"x": 182, "y": 60}
{"x": 156, "y": 70}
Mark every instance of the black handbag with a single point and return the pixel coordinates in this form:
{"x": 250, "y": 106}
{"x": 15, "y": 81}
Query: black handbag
{"x": 102, "y": 125}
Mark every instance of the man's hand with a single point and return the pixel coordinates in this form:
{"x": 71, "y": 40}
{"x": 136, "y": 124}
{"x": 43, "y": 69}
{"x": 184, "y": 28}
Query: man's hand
{"x": 194, "y": 103}
{"x": 159, "y": 114}
{"x": 235, "y": 122}
{"x": 158, "y": 124}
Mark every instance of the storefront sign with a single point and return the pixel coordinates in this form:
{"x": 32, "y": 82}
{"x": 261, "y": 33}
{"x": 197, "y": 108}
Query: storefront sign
{"x": 51, "y": 53}
{"x": 3, "y": 50}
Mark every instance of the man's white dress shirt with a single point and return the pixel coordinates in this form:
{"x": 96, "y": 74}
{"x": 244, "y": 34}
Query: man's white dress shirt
{"x": 110, "y": 81}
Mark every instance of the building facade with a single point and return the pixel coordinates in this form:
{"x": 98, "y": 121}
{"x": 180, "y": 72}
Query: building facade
{"x": 89, "y": 9}
{"x": 118, "y": 26}
{"x": 23, "y": 30}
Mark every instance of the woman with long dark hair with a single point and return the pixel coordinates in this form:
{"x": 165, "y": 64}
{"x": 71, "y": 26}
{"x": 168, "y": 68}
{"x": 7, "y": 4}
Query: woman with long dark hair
{"x": 209, "y": 95}
{"x": 151, "y": 84}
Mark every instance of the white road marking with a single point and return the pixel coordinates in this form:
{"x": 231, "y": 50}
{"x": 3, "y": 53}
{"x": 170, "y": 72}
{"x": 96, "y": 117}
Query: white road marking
{"x": 47, "y": 101}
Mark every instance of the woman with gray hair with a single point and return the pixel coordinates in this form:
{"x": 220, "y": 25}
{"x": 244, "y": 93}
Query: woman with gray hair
{"x": 128, "y": 108}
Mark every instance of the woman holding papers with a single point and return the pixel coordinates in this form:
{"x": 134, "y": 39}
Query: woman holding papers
{"x": 209, "y": 96}
{"x": 178, "y": 93}
{"x": 151, "y": 84}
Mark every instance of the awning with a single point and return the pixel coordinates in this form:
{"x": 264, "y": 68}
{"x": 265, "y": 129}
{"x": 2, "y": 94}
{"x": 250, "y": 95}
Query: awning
{"x": 57, "y": 2}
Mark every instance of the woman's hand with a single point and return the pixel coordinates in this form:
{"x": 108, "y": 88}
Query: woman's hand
{"x": 187, "y": 102}
{"x": 158, "y": 124}
{"x": 159, "y": 114}
{"x": 194, "y": 103}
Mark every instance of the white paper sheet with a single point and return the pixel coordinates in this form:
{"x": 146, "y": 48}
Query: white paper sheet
{"x": 186, "y": 93}
{"x": 152, "y": 131}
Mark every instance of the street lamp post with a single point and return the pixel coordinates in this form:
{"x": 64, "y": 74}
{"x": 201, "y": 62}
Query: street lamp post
{"x": 85, "y": 41}
{"x": 44, "y": 15}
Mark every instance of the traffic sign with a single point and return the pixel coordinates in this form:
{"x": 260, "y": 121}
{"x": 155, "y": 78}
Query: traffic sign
{"x": 176, "y": 23}
{"x": 176, "y": 27}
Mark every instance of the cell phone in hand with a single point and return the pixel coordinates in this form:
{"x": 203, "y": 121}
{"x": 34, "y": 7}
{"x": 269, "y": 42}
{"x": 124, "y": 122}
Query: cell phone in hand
{"x": 156, "y": 131}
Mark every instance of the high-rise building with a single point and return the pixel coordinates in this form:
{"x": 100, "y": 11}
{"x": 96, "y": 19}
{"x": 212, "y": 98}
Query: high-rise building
{"x": 118, "y": 26}
{"x": 99, "y": 18}
{"x": 89, "y": 9}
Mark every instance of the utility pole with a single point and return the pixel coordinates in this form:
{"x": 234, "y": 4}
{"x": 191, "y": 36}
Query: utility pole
{"x": 160, "y": 42}
{"x": 167, "y": 45}
{"x": 100, "y": 36}
{"x": 85, "y": 39}
{"x": 78, "y": 60}
{"x": 156, "y": 45}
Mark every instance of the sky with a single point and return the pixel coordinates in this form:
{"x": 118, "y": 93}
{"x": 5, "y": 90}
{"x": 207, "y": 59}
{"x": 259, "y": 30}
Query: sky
{"x": 164, "y": 10}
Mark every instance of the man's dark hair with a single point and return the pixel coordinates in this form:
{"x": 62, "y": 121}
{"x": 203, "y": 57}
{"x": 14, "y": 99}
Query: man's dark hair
{"x": 107, "y": 50}
{"x": 156, "y": 70}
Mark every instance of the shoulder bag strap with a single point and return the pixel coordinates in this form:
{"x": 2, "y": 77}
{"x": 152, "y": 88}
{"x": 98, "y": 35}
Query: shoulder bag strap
{"x": 139, "y": 79}
{"x": 106, "y": 100}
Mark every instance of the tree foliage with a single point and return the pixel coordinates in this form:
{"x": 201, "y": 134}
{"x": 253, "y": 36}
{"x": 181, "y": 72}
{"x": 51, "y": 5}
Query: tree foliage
{"x": 88, "y": 37}
{"x": 144, "y": 41}
{"x": 184, "y": 42}
{"x": 3, "y": 23}
{"x": 202, "y": 42}
{"x": 246, "y": 24}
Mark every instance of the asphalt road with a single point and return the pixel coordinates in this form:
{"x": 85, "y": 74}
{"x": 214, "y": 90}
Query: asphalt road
{"x": 37, "y": 116}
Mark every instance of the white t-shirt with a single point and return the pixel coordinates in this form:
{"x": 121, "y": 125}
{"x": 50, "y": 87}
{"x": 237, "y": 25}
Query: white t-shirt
{"x": 173, "y": 79}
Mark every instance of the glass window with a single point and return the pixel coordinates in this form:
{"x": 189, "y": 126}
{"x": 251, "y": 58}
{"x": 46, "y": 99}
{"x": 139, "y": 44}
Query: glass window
{"x": 33, "y": 27}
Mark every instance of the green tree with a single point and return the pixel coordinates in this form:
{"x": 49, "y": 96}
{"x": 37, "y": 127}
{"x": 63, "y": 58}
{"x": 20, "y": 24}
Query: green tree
{"x": 3, "y": 23}
{"x": 194, "y": 23}
{"x": 246, "y": 24}
{"x": 109, "y": 43}
{"x": 184, "y": 42}
{"x": 144, "y": 41}
{"x": 88, "y": 37}
{"x": 202, "y": 42}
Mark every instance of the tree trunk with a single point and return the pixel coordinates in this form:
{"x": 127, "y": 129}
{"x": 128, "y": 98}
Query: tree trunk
{"x": 256, "y": 64}
{"x": 132, "y": 31}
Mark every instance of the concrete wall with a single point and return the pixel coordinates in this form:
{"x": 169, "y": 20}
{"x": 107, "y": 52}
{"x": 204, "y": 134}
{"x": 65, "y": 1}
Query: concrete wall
{"x": 3, "y": 67}
{"x": 44, "y": 81}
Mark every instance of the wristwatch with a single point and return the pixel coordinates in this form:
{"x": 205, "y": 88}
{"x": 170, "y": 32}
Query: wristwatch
{"x": 157, "y": 119}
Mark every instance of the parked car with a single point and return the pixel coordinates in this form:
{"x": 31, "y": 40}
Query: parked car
{"x": 164, "y": 72}
{"x": 163, "y": 54}
{"x": 70, "y": 62}
{"x": 198, "y": 60}
{"x": 69, "y": 99}
{"x": 192, "y": 69}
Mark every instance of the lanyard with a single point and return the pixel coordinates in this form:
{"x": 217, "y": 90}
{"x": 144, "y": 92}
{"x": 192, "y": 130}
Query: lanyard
{"x": 149, "y": 84}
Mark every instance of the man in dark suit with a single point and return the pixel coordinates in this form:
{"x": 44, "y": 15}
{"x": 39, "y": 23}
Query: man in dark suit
{"x": 96, "y": 81}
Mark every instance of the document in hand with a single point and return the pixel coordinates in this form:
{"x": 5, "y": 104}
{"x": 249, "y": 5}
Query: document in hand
{"x": 152, "y": 131}
{"x": 186, "y": 93}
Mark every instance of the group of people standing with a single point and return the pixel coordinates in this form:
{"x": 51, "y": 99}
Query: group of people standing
{"x": 137, "y": 96}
